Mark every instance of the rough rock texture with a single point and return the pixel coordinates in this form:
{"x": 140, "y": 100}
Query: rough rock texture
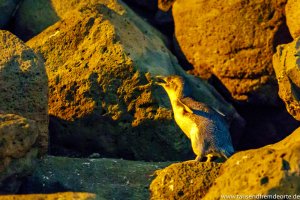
{"x": 292, "y": 11}
{"x": 186, "y": 180}
{"x": 56, "y": 196}
{"x": 273, "y": 169}
{"x": 17, "y": 154}
{"x": 107, "y": 178}
{"x": 23, "y": 84}
{"x": 7, "y": 8}
{"x": 165, "y": 5}
{"x": 233, "y": 41}
{"x": 101, "y": 97}
{"x": 286, "y": 64}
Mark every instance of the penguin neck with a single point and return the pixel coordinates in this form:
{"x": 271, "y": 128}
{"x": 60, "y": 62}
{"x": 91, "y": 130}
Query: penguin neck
{"x": 177, "y": 105}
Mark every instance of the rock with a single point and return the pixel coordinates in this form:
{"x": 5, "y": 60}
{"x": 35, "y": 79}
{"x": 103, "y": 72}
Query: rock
{"x": 7, "y": 8}
{"x": 286, "y": 64}
{"x": 147, "y": 4}
{"x": 165, "y": 5}
{"x": 61, "y": 195}
{"x": 186, "y": 180}
{"x": 102, "y": 97}
{"x": 265, "y": 125}
{"x": 107, "y": 178}
{"x": 18, "y": 136}
{"x": 32, "y": 17}
{"x": 23, "y": 85}
{"x": 292, "y": 17}
{"x": 234, "y": 42}
{"x": 271, "y": 170}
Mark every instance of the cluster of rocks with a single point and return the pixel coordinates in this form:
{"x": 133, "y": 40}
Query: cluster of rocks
{"x": 86, "y": 73}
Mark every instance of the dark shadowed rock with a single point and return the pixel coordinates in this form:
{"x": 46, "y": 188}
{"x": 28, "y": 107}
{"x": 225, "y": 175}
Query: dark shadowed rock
{"x": 100, "y": 62}
{"x": 286, "y": 64}
{"x": 273, "y": 169}
{"x": 234, "y": 41}
{"x": 187, "y": 180}
{"x": 292, "y": 10}
{"x": 7, "y": 8}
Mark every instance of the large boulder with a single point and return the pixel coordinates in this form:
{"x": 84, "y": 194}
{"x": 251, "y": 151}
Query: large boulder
{"x": 271, "y": 170}
{"x": 286, "y": 63}
{"x": 233, "y": 41}
{"x": 18, "y": 136}
{"x": 186, "y": 180}
{"x": 7, "y": 8}
{"x": 102, "y": 97}
{"x": 292, "y": 10}
{"x": 107, "y": 178}
{"x": 23, "y": 84}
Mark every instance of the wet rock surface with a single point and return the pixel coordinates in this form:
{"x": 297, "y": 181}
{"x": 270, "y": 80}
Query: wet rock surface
{"x": 107, "y": 178}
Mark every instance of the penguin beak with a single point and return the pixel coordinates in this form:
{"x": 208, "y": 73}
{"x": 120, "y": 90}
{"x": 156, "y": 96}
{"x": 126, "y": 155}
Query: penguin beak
{"x": 160, "y": 80}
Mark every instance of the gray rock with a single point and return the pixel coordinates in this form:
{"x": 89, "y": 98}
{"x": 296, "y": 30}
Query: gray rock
{"x": 17, "y": 138}
{"x": 107, "y": 178}
{"x": 23, "y": 84}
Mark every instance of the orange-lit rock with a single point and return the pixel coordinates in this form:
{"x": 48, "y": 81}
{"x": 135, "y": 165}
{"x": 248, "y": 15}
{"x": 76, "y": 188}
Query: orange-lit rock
{"x": 292, "y": 10}
{"x": 273, "y": 169}
{"x": 165, "y": 5}
{"x": 102, "y": 98}
{"x": 186, "y": 180}
{"x": 233, "y": 41}
{"x": 55, "y": 196}
{"x": 286, "y": 64}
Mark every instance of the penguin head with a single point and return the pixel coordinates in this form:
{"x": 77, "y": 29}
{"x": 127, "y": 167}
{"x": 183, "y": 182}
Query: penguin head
{"x": 172, "y": 84}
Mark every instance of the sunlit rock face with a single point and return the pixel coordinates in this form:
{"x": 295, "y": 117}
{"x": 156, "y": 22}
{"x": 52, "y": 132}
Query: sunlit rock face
{"x": 286, "y": 64}
{"x": 234, "y": 42}
{"x": 273, "y": 169}
{"x": 292, "y": 11}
